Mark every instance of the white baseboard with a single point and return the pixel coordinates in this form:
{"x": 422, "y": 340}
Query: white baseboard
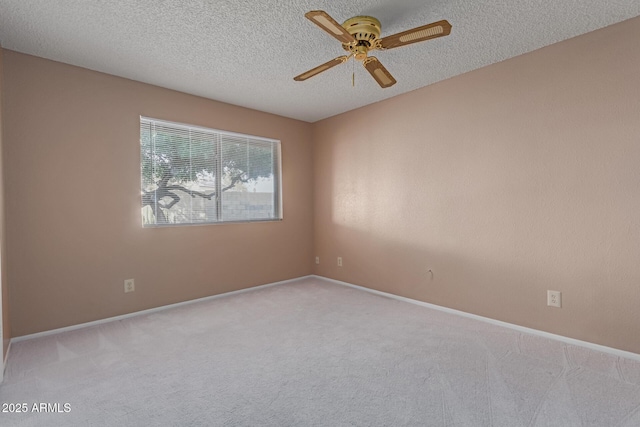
{"x": 4, "y": 361}
{"x": 148, "y": 311}
{"x": 6, "y": 356}
{"x": 572, "y": 341}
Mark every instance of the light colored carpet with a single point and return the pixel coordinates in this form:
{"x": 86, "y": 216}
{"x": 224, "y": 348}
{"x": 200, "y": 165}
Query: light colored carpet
{"x": 312, "y": 353}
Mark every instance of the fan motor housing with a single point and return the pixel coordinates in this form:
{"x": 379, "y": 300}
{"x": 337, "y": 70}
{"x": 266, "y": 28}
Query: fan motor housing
{"x": 366, "y": 30}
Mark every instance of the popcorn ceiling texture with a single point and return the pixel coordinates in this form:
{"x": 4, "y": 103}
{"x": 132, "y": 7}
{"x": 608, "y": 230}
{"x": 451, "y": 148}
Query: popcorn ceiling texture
{"x": 247, "y": 52}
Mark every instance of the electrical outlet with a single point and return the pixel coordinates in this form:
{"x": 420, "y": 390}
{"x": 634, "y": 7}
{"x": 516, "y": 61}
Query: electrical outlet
{"x": 129, "y": 285}
{"x": 339, "y": 261}
{"x": 554, "y": 298}
{"x": 317, "y": 260}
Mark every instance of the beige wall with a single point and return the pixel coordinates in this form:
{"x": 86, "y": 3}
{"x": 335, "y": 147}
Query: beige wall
{"x": 73, "y": 200}
{"x": 506, "y": 181}
{"x": 4, "y": 285}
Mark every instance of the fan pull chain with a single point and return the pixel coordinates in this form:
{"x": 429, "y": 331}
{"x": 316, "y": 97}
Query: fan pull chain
{"x": 353, "y": 73}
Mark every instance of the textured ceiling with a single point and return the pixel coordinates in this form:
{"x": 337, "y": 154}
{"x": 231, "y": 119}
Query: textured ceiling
{"x": 246, "y": 52}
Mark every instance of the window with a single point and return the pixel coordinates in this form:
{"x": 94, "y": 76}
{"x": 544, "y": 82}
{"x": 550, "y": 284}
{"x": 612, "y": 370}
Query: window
{"x": 195, "y": 175}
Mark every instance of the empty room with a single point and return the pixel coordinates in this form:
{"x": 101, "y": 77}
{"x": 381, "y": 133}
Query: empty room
{"x": 318, "y": 213}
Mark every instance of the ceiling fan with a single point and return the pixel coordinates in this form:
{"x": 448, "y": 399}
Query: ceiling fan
{"x": 361, "y": 34}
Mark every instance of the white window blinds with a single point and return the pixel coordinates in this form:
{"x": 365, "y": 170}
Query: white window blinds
{"x": 195, "y": 175}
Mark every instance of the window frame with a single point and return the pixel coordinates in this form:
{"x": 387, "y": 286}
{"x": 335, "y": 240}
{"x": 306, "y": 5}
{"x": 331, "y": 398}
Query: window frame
{"x": 277, "y": 174}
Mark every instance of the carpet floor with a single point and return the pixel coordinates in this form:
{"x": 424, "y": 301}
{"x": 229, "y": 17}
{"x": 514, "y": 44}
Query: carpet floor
{"x": 313, "y": 353}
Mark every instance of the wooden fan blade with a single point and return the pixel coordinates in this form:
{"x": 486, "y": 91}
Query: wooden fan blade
{"x": 378, "y": 72}
{"x": 327, "y": 23}
{"x": 321, "y": 68}
{"x": 426, "y": 32}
